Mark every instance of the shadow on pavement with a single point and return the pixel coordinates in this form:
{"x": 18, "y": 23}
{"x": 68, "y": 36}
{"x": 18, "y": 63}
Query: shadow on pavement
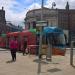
{"x": 10, "y": 61}
{"x": 73, "y": 66}
{"x": 42, "y": 61}
{"x": 45, "y": 62}
{"x": 55, "y": 63}
{"x": 54, "y": 70}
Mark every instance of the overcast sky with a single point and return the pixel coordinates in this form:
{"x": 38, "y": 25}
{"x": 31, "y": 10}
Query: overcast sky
{"x": 16, "y": 9}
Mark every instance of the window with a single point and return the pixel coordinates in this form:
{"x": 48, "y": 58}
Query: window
{"x": 34, "y": 24}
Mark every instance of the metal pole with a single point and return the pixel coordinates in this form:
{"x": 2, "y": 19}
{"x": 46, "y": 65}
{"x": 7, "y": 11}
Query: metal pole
{"x": 71, "y": 53}
{"x": 40, "y": 47}
{"x": 49, "y": 51}
{"x": 42, "y": 10}
{"x": 70, "y": 42}
{"x": 70, "y": 39}
{"x": 40, "y": 44}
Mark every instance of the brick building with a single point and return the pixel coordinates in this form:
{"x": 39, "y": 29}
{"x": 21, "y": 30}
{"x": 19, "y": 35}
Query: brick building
{"x": 2, "y": 21}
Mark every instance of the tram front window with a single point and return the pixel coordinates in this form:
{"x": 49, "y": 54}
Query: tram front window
{"x": 58, "y": 40}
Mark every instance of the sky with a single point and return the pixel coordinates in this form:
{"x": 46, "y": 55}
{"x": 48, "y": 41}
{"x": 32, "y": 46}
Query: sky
{"x": 16, "y": 9}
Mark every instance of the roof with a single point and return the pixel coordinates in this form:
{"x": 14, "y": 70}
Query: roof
{"x": 53, "y": 30}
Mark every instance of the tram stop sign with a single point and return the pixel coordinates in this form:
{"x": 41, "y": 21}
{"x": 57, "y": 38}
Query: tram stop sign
{"x": 41, "y": 23}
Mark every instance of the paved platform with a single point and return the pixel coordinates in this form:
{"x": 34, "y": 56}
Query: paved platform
{"x": 28, "y": 65}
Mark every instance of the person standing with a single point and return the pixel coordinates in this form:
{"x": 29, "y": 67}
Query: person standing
{"x": 37, "y": 43}
{"x": 24, "y": 45}
{"x": 13, "y": 48}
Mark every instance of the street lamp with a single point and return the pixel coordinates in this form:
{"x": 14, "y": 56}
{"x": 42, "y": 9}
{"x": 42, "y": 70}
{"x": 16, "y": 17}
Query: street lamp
{"x": 53, "y": 5}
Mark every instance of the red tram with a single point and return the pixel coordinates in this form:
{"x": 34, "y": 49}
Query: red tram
{"x": 20, "y": 36}
{"x": 31, "y": 40}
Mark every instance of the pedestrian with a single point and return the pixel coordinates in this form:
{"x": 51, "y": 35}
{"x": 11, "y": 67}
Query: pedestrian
{"x": 37, "y": 45}
{"x": 13, "y": 47}
{"x": 25, "y": 46}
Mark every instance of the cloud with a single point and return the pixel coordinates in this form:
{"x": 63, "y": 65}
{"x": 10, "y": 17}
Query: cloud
{"x": 10, "y": 15}
{"x": 12, "y": 9}
{"x": 28, "y": 1}
{"x": 61, "y": 3}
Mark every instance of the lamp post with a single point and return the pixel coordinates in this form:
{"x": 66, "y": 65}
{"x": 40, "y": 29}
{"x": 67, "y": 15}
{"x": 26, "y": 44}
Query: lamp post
{"x": 53, "y": 5}
{"x": 40, "y": 43}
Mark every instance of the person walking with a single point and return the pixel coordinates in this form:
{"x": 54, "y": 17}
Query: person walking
{"x": 13, "y": 48}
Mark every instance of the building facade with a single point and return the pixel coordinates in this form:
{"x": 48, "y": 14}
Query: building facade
{"x": 6, "y": 27}
{"x": 13, "y": 28}
{"x": 49, "y": 15}
{"x": 63, "y": 18}
{"x": 54, "y": 17}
